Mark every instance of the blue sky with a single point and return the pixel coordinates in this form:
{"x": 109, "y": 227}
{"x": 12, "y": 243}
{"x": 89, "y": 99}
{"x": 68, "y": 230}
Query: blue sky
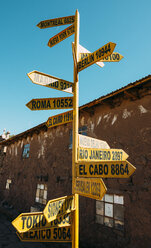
{"x": 23, "y": 48}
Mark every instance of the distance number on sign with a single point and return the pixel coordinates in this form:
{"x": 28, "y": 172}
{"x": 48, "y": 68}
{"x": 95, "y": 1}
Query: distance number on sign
{"x": 62, "y": 233}
{"x": 60, "y": 84}
{"x": 63, "y": 103}
{"x": 104, "y": 50}
{"x": 116, "y": 169}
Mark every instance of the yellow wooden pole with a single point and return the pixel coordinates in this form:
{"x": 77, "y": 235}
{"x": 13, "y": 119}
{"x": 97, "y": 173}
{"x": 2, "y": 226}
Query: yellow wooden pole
{"x": 75, "y": 232}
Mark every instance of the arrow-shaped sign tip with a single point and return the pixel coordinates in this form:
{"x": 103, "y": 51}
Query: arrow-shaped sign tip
{"x": 39, "y": 25}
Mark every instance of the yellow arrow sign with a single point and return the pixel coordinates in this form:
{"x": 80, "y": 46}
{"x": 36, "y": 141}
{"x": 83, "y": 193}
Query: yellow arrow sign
{"x": 50, "y": 81}
{"x": 36, "y": 220}
{"x": 83, "y": 52}
{"x": 61, "y": 234}
{"x": 113, "y": 169}
{"x": 58, "y": 207}
{"x": 114, "y": 57}
{"x": 61, "y": 36}
{"x": 92, "y": 154}
{"x": 94, "y": 57}
{"x": 92, "y": 188}
{"x": 50, "y": 103}
{"x": 60, "y": 119}
{"x": 56, "y": 22}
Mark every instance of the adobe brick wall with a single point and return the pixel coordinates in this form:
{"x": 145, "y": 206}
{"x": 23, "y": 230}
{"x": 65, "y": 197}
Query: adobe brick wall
{"x": 124, "y": 122}
{"x": 49, "y": 162}
{"x": 127, "y": 126}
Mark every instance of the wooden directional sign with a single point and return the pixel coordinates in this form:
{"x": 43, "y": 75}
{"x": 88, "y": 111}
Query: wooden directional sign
{"x": 58, "y": 207}
{"x": 57, "y": 234}
{"x": 36, "y": 220}
{"x": 61, "y": 36}
{"x": 112, "y": 169}
{"x": 89, "y": 142}
{"x": 56, "y": 22}
{"x": 50, "y": 103}
{"x": 60, "y": 119}
{"x": 91, "y": 154}
{"x": 50, "y": 81}
{"x": 94, "y": 57}
{"x": 92, "y": 188}
{"x": 114, "y": 57}
{"x": 83, "y": 50}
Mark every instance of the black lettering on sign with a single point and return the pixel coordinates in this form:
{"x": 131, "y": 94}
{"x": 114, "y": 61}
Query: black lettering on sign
{"x": 83, "y": 153}
{"x": 40, "y": 216}
{"x": 95, "y": 189}
{"x": 69, "y": 20}
{"x": 43, "y": 221}
{"x": 105, "y": 169}
{"x": 61, "y": 85}
{"x": 50, "y": 122}
{"x": 71, "y": 102}
{"x": 61, "y": 233}
{"x": 54, "y": 85}
{"x": 31, "y": 235}
{"x": 63, "y": 35}
{"x": 33, "y": 104}
{"x": 25, "y": 235}
{"x": 48, "y": 233}
{"x": 38, "y": 104}
{"x": 117, "y": 155}
{"x": 35, "y": 217}
{"x": 43, "y": 104}
{"x": 83, "y": 186}
{"x": 23, "y": 223}
{"x": 29, "y": 222}
{"x": 80, "y": 169}
{"x": 99, "y": 155}
{"x": 91, "y": 169}
{"x": 36, "y": 234}
{"x": 100, "y": 169}
{"x": 126, "y": 169}
{"x": 48, "y": 104}
{"x": 117, "y": 56}
{"x": 60, "y": 21}
{"x": 42, "y": 234}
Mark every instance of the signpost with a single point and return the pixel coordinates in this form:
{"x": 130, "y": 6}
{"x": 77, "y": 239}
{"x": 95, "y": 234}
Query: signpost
{"x": 50, "y": 81}
{"x": 75, "y": 238}
{"x": 56, "y": 22}
{"x": 92, "y": 188}
{"x": 114, "y": 57}
{"x": 89, "y": 142}
{"x": 59, "y": 207}
{"x": 36, "y": 220}
{"x": 61, "y": 36}
{"x": 57, "y": 234}
{"x": 91, "y": 154}
{"x": 60, "y": 119}
{"x": 50, "y": 103}
{"x": 91, "y": 158}
{"x": 112, "y": 169}
{"x": 94, "y": 57}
